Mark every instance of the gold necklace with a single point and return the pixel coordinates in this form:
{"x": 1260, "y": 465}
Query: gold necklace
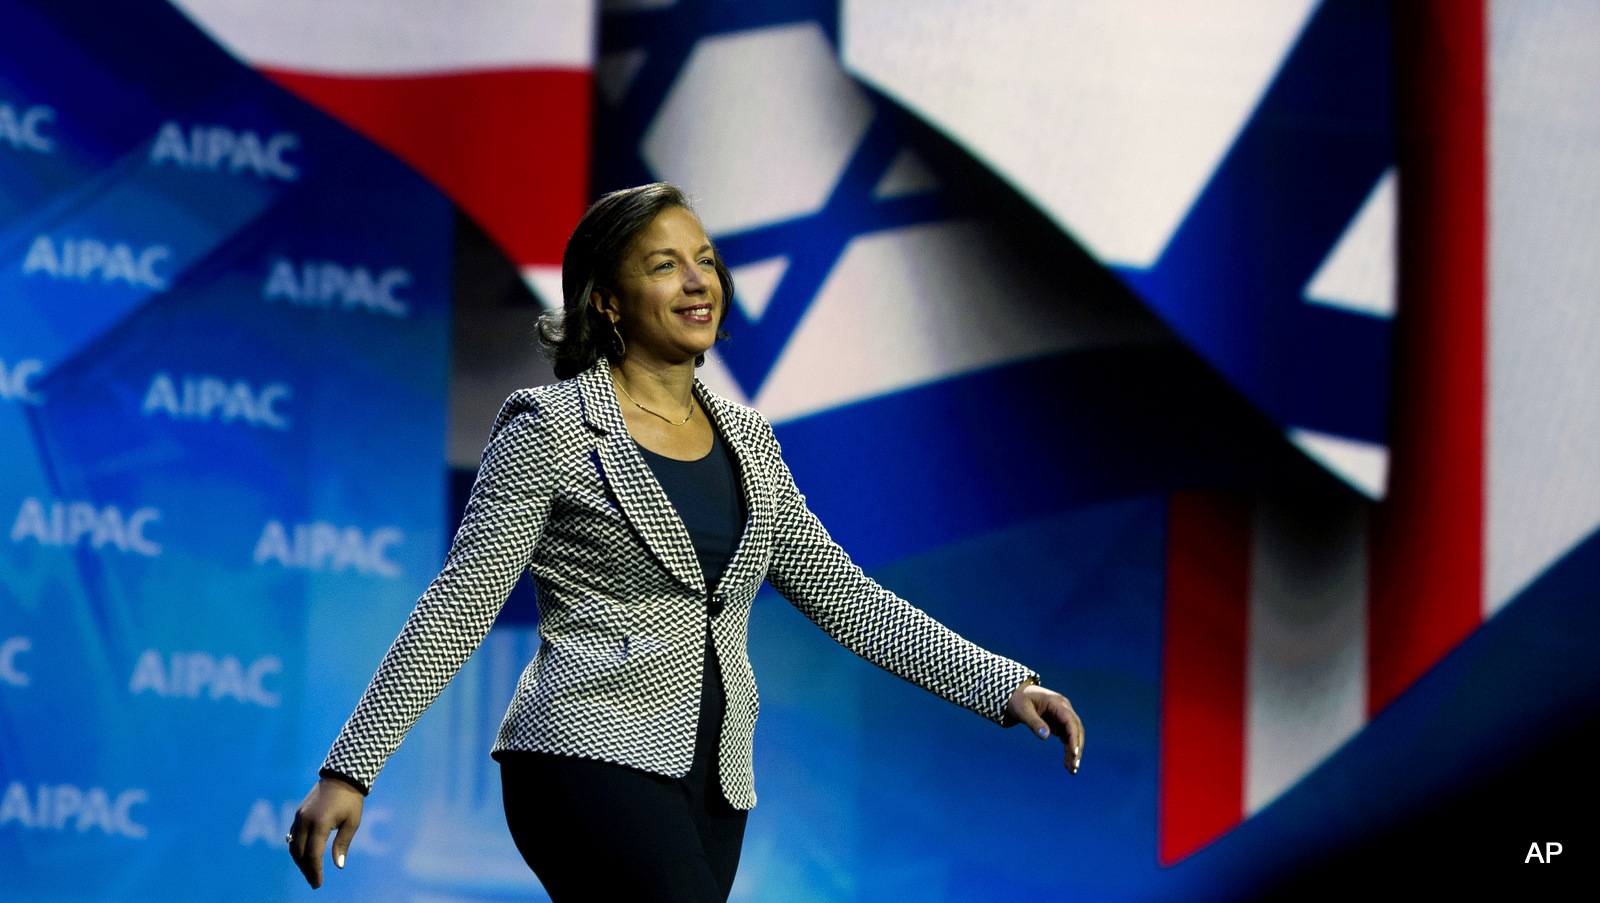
{"x": 618, "y": 383}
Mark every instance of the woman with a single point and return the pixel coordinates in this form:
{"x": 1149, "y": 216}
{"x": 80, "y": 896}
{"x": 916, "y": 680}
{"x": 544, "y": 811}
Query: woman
{"x": 649, "y": 512}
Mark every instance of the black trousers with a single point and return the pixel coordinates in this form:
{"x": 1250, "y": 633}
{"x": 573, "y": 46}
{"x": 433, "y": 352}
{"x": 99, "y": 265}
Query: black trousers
{"x": 598, "y": 831}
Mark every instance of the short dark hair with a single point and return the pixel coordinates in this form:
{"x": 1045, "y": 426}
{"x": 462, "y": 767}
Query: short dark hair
{"x": 579, "y": 335}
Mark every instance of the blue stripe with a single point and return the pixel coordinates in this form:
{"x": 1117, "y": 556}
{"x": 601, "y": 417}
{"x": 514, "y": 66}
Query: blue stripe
{"x": 1230, "y": 281}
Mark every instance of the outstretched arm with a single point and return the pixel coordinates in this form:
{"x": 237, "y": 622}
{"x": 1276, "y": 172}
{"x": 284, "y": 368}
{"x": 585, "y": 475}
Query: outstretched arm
{"x": 819, "y": 579}
{"x": 504, "y": 517}
{"x": 502, "y": 523}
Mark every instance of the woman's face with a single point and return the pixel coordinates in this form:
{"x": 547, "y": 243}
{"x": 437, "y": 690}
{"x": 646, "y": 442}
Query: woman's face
{"x": 668, "y": 300}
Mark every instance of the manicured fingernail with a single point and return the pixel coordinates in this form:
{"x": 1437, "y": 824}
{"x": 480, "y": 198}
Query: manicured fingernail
{"x": 339, "y": 860}
{"x": 1077, "y": 752}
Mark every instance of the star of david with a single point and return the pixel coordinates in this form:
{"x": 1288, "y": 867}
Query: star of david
{"x": 1290, "y": 223}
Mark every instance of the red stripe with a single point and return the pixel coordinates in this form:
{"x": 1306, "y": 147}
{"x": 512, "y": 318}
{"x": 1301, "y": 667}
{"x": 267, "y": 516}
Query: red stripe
{"x": 1427, "y": 536}
{"x": 1203, "y": 670}
{"x": 511, "y": 148}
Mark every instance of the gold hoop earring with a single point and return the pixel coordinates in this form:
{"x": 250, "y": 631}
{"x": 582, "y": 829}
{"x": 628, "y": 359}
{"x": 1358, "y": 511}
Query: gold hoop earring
{"x": 622, "y": 347}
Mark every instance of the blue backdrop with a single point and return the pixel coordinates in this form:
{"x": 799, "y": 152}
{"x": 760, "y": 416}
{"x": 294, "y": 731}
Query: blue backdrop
{"x": 224, "y": 327}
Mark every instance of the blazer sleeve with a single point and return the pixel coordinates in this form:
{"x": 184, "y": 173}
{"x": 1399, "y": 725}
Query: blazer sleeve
{"x": 504, "y": 517}
{"x": 810, "y": 570}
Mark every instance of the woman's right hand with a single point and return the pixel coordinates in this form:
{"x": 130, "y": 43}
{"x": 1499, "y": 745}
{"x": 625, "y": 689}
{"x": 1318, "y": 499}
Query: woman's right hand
{"x": 332, "y": 805}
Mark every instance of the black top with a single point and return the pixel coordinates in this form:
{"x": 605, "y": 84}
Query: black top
{"x": 706, "y": 494}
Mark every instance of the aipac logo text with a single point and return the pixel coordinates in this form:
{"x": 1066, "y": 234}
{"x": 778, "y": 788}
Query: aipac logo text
{"x": 204, "y": 399}
{"x": 10, "y": 670}
{"x": 22, "y": 130}
{"x": 201, "y": 675}
{"x": 58, "y": 807}
{"x": 85, "y": 259}
{"x": 217, "y": 148}
{"x": 322, "y": 546}
{"x": 14, "y": 381}
{"x": 71, "y": 524}
{"x": 321, "y": 283}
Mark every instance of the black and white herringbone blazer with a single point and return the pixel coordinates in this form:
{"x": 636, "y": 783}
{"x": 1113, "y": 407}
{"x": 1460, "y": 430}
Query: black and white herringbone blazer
{"x": 563, "y": 491}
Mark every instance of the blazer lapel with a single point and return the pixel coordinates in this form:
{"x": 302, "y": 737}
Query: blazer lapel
{"x": 634, "y": 488}
{"x": 755, "y": 500}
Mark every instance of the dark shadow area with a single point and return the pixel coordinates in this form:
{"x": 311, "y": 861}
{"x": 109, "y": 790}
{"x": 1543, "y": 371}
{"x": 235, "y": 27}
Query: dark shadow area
{"x": 493, "y": 347}
{"x": 494, "y": 351}
{"x": 1547, "y": 795}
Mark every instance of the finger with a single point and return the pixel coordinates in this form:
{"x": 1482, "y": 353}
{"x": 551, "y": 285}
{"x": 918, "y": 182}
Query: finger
{"x": 341, "y": 841}
{"x": 1071, "y": 733}
{"x": 1028, "y": 714}
{"x": 299, "y": 836}
{"x": 310, "y": 859}
{"x": 1059, "y": 712}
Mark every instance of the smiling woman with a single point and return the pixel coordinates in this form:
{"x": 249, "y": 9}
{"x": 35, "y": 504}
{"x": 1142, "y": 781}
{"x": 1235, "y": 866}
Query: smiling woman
{"x": 649, "y": 512}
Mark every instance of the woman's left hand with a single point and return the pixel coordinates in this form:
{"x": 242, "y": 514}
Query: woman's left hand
{"x": 1046, "y": 711}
